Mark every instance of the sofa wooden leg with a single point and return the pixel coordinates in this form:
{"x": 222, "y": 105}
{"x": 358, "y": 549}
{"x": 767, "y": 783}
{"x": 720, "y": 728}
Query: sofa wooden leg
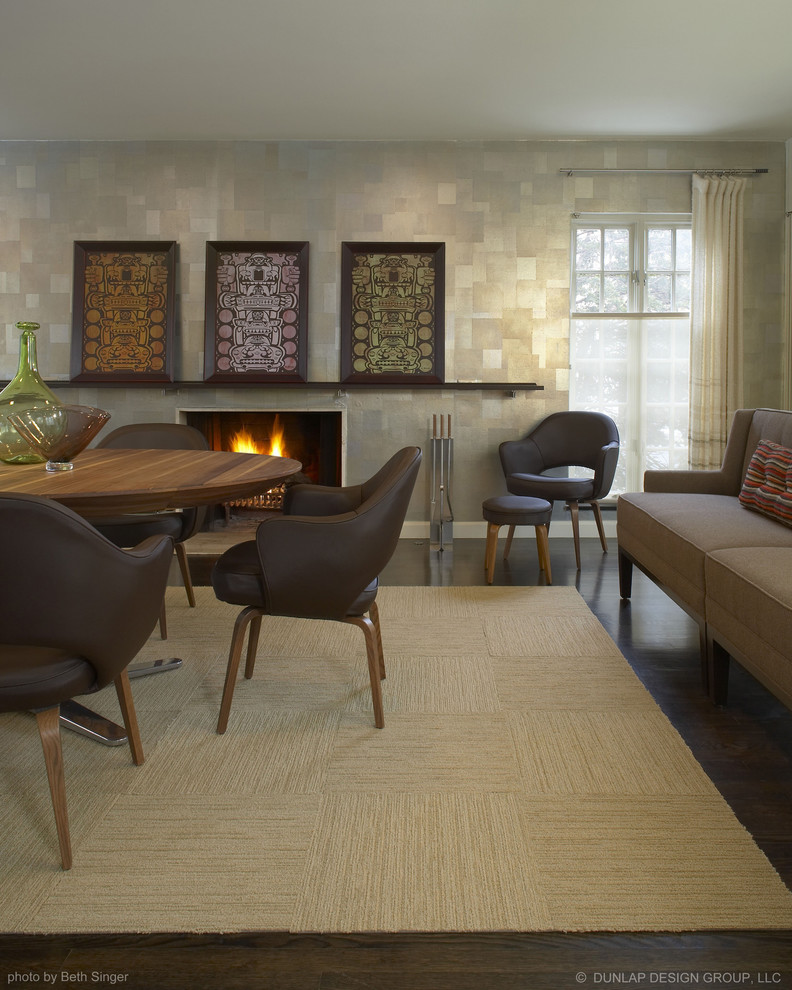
{"x": 706, "y": 661}
{"x": 718, "y": 660}
{"x": 625, "y": 575}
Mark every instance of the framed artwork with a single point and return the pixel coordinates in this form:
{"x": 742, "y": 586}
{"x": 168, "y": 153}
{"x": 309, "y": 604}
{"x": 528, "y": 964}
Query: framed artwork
{"x": 123, "y": 311}
{"x": 256, "y": 311}
{"x": 392, "y": 313}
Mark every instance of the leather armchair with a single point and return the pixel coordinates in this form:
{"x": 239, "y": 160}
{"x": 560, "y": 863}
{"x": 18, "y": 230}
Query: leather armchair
{"x": 562, "y": 440}
{"x": 129, "y": 529}
{"x": 74, "y": 611}
{"x": 320, "y": 559}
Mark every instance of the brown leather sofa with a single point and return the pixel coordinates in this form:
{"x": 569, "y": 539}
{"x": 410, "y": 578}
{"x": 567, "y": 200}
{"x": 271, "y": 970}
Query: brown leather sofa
{"x": 726, "y": 565}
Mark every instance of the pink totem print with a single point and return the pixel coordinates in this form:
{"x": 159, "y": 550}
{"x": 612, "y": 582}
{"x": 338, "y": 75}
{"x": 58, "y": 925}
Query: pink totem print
{"x": 258, "y": 311}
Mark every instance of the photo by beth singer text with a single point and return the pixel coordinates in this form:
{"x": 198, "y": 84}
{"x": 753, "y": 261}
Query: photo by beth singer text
{"x": 65, "y": 977}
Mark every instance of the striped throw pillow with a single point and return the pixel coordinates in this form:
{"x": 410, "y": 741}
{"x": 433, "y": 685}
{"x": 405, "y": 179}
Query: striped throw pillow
{"x": 767, "y": 487}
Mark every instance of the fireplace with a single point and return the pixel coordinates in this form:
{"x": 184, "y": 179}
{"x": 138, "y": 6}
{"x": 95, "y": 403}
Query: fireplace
{"x": 313, "y": 437}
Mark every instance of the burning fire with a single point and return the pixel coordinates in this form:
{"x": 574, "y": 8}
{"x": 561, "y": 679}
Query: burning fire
{"x": 243, "y": 442}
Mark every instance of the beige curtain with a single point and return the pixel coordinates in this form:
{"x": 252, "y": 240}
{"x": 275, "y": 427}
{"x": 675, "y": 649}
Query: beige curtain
{"x": 716, "y": 348}
{"x": 788, "y": 302}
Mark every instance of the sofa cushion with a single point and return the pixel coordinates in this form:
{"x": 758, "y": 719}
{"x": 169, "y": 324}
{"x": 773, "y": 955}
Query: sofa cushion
{"x": 749, "y": 607}
{"x": 767, "y": 487}
{"x": 670, "y": 533}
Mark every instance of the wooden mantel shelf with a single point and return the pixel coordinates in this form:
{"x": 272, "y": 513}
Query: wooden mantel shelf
{"x": 510, "y": 387}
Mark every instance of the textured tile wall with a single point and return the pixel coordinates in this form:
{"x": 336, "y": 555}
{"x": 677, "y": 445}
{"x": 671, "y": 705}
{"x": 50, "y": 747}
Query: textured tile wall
{"x": 503, "y": 211}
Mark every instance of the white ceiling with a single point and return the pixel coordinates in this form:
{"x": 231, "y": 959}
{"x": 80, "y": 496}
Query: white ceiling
{"x": 395, "y": 69}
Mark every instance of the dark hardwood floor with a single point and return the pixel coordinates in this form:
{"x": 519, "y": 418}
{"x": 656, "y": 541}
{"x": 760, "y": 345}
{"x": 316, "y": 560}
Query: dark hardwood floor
{"x": 745, "y": 747}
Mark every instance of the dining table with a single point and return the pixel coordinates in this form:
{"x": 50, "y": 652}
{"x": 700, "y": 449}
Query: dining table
{"x": 108, "y": 481}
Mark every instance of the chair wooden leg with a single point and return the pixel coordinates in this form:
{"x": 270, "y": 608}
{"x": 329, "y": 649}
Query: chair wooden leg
{"x": 509, "y": 538}
{"x": 163, "y": 622}
{"x": 237, "y": 639}
{"x": 600, "y": 526}
{"x": 491, "y": 550}
{"x": 124, "y": 692}
{"x": 543, "y": 550}
{"x": 575, "y": 515}
{"x": 253, "y": 639}
{"x": 374, "y": 660}
{"x": 374, "y": 613}
{"x": 184, "y": 567}
{"x": 49, "y": 730}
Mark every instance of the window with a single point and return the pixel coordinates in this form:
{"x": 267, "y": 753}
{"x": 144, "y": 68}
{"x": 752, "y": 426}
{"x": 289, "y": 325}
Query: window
{"x": 630, "y": 335}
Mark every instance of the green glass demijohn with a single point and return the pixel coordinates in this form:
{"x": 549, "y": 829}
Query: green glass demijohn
{"x": 25, "y": 390}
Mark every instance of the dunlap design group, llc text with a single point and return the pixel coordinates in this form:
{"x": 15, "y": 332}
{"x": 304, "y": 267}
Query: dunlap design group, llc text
{"x": 721, "y": 979}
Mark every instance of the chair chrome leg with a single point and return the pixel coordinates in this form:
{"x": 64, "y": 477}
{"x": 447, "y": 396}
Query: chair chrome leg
{"x": 82, "y": 720}
{"x": 155, "y": 667}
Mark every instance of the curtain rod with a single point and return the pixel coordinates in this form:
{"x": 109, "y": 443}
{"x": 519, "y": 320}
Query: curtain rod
{"x": 664, "y": 171}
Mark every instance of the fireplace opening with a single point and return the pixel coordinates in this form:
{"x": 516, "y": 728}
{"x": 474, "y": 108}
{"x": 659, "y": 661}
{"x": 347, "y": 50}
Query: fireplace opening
{"x": 309, "y": 436}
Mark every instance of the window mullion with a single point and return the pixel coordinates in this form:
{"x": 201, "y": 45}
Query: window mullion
{"x": 639, "y": 253}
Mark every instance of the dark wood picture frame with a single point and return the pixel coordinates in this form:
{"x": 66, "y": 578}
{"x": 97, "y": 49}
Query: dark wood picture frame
{"x": 392, "y": 312}
{"x": 256, "y": 311}
{"x": 123, "y": 311}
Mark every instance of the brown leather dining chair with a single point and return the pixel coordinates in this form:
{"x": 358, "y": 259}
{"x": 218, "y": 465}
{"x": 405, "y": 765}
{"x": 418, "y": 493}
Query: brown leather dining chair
{"x": 129, "y": 529}
{"x": 74, "y": 611}
{"x": 575, "y": 438}
{"x": 320, "y": 559}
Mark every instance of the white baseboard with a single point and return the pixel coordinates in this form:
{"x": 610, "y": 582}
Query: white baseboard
{"x": 478, "y": 530}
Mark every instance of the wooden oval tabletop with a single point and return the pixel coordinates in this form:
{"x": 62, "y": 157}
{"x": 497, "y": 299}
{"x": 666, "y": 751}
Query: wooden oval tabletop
{"x": 107, "y": 480}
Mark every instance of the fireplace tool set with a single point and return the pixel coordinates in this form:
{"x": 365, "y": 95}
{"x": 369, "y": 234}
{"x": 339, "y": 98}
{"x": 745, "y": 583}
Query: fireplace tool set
{"x": 441, "y": 517}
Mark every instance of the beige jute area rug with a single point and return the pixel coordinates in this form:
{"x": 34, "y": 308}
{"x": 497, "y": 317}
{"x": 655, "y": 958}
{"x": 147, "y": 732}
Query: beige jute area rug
{"x": 524, "y": 781}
